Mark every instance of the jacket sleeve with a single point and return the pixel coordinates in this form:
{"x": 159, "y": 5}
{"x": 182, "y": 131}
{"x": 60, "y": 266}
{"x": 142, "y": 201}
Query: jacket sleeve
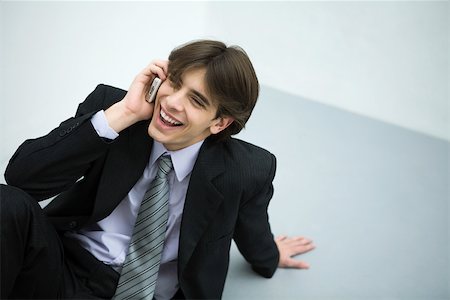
{"x": 253, "y": 235}
{"x": 46, "y": 166}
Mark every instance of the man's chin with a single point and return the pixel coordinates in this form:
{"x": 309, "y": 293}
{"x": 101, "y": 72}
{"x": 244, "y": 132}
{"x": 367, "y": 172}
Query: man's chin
{"x": 157, "y": 135}
{"x": 152, "y": 132}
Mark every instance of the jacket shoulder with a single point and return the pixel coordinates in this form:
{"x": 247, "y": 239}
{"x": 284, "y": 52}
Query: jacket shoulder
{"x": 250, "y": 164}
{"x": 245, "y": 151}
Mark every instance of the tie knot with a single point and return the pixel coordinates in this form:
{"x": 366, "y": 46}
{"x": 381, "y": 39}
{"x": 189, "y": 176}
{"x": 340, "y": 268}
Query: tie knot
{"x": 164, "y": 166}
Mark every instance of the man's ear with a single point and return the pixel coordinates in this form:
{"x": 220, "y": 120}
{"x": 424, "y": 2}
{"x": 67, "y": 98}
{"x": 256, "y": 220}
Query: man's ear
{"x": 220, "y": 124}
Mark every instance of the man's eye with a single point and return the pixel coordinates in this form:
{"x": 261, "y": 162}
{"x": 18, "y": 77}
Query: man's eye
{"x": 197, "y": 102}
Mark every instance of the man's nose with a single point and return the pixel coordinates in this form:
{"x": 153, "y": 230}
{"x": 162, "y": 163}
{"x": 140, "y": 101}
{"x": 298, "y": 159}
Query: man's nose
{"x": 175, "y": 101}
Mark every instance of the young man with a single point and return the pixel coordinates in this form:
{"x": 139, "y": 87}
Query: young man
{"x": 103, "y": 165}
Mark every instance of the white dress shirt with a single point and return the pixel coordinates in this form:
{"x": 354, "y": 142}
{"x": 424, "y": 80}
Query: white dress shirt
{"x": 108, "y": 240}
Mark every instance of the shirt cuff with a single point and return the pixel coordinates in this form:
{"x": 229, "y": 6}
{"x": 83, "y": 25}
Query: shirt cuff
{"x": 102, "y": 127}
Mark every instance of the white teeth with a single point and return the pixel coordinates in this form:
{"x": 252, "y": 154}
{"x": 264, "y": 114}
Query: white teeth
{"x": 168, "y": 119}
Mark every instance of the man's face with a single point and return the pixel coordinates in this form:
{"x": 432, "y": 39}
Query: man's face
{"x": 185, "y": 114}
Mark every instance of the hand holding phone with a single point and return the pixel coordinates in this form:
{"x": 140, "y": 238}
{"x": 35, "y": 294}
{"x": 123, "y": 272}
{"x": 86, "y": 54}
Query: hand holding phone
{"x": 153, "y": 89}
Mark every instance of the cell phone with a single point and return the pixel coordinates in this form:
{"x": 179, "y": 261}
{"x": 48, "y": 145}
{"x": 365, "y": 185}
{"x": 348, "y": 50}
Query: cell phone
{"x": 153, "y": 89}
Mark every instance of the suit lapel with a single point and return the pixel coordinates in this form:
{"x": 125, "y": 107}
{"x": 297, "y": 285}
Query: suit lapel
{"x": 202, "y": 199}
{"x": 124, "y": 165}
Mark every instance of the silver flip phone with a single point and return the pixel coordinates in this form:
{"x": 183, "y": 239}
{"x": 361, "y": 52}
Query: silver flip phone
{"x": 154, "y": 89}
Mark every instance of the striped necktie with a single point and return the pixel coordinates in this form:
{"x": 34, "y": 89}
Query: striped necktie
{"x": 140, "y": 270}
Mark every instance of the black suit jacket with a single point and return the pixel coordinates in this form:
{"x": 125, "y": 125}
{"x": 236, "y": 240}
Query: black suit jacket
{"x": 228, "y": 194}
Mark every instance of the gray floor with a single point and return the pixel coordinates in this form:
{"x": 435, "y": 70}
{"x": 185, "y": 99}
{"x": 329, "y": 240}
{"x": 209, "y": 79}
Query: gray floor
{"x": 373, "y": 197}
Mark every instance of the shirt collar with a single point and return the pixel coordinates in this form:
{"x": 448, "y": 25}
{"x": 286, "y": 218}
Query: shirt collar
{"x": 183, "y": 160}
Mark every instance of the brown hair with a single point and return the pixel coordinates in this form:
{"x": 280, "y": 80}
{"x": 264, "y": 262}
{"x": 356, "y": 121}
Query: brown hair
{"x": 230, "y": 78}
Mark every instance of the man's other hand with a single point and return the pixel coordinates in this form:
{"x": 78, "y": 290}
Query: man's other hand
{"x": 290, "y": 247}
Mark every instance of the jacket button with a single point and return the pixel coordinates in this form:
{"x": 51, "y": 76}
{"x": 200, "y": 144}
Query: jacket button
{"x": 62, "y": 133}
{"x": 72, "y": 224}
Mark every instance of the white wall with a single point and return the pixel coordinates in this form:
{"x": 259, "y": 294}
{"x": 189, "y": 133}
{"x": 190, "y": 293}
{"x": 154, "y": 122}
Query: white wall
{"x": 387, "y": 60}
{"x": 55, "y": 53}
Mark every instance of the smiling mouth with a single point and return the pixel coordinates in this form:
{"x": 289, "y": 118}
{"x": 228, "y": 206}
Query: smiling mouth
{"x": 168, "y": 120}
